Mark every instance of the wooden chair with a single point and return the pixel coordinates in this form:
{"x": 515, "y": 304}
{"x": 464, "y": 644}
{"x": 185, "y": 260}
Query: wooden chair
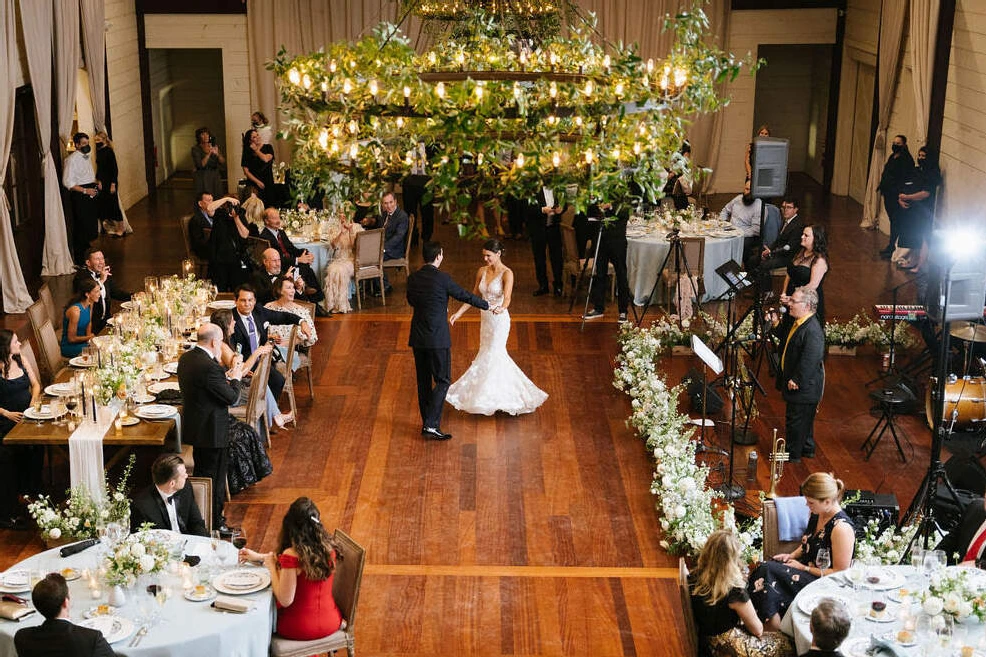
{"x": 37, "y": 314}
{"x": 284, "y": 367}
{"x": 345, "y": 589}
{"x": 405, "y": 262}
{"x": 572, "y": 264}
{"x": 29, "y": 360}
{"x": 305, "y": 357}
{"x": 256, "y": 247}
{"x": 202, "y": 492}
{"x": 254, "y": 412}
{"x": 694, "y": 252}
{"x": 771, "y": 541}
{"x": 52, "y": 361}
{"x": 691, "y": 632}
{"x": 368, "y": 261}
{"x": 201, "y": 266}
{"x": 45, "y": 297}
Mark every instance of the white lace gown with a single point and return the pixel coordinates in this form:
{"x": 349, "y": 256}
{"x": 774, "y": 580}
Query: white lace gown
{"x": 493, "y": 381}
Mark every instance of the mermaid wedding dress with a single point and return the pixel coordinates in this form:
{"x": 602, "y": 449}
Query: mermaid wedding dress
{"x": 493, "y": 381}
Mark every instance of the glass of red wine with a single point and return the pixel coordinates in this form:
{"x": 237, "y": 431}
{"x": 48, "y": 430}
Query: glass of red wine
{"x": 239, "y": 540}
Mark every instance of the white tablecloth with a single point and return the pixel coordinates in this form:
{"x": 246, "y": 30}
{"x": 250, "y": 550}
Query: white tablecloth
{"x": 645, "y": 255}
{"x": 322, "y": 253}
{"x": 796, "y": 621}
{"x": 191, "y": 628}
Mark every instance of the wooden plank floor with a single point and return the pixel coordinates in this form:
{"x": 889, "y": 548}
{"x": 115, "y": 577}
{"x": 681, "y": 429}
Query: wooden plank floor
{"x": 531, "y": 535}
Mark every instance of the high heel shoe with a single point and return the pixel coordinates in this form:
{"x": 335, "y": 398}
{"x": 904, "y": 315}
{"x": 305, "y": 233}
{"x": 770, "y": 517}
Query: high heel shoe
{"x": 281, "y": 420}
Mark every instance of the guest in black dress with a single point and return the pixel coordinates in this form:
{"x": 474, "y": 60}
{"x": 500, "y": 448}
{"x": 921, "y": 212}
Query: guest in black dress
{"x": 775, "y": 583}
{"x": 808, "y": 268}
{"x": 20, "y": 466}
{"x": 258, "y": 166}
{"x": 726, "y": 621}
{"x": 107, "y": 174}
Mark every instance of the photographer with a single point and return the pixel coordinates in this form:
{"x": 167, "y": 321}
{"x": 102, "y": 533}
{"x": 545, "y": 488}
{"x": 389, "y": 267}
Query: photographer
{"x": 207, "y": 160}
{"x": 228, "y": 260}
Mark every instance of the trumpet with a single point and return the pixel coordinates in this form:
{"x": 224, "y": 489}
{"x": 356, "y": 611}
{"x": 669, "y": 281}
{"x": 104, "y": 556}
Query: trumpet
{"x": 778, "y": 456}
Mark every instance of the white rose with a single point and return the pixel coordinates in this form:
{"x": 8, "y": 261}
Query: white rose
{"x": 146, "y": 563}
{"x": 137, "y": 549}
{"x": 54, "y": 533}
{"x": 685, "y": 323}
{"x": 679, "y": 511}
{"x": 965, "y": 609}
{"x": 104, "y": 514}
{"x": 932, "y": 606}
{"x": 952, "y": 602}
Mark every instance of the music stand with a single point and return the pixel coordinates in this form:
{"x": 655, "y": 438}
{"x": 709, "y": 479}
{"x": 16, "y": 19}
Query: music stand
{"x": 711, "y": 361}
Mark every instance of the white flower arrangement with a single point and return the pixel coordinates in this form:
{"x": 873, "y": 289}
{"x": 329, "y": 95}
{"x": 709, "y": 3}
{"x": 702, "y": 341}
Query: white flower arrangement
{"x": 685, "y": 502}
{"x": 950, "y": 592}
{"x": 138, "y": 554}
{"x": 887, "y": 547}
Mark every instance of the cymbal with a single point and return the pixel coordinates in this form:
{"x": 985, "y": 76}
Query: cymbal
{"x": 969, "y": 331}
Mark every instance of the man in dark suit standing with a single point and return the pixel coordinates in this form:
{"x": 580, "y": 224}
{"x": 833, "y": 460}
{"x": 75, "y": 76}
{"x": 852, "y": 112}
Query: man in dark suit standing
{"x": 544, "y": 227}
{"x": 801, "y": 376}
{"x": 250, "y": 324}
{"x": 291, "y": 255}
{"x": 208, "y": 391}
{"x": 428, "y": 292}
{"x": 58, "y": 635}
{"x": 95, "y": 267}
{"x": 168, "y": 503}
{"x": 968, "y": 539}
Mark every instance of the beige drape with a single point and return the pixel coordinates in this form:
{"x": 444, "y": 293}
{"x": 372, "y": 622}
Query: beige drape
{"x": 36, "y": 21}
{"x": 923, "y": 33}
{"x": 892, "y": 19}
{"x": 94, "y": 46}
{"x": 67, "y": 48}
{"x": 15, "y": 296}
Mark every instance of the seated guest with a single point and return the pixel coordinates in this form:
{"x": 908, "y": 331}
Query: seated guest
{"x": 394, "y": 222}
{"x": 967, "y": 541}
{"x": 202, "y": 219}
{"x": 21, "y": 465}
{"x": 781, "y": 251}
{"x": 301, "y": 574}
{"x": 168, "y": 503}
{"x": 57, "y": 635}
{"x": 229, "y": 260}
{"x": 284, "y": 302}
{"x": 291, "y": 255}
{"x": 251, "y": 329}
{"x": 96, "y": 268}
{"x": 77, "y": 318}
{"x": 830, "y": 625}
{"x": 263, "y": 279}
{"x": 775, "y": 582}
{"x": 726, "y": 620}
{"x": 339, "y": 273}
{"x": 744, "y": 213}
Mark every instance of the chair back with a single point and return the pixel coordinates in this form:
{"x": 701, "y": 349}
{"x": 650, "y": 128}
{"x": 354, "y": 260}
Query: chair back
{"x": 202, "y": 492}
{"x": 290, "y": 356}
{"x": 255, "y": 405}
{"x": 37, "y": 314}
{"x": 368, "y": 253}
{"x": 201, "y": 266}
{"x": 29, "y": 360}
{"x": 691, "y": 632}
{"x": 309, "y": 306}
{"x": 771, "y": 224}
{"x": 694, "y": 250}
{"x": 256, "y": 247}
{"x": 51, "y": 351}
{"x": 348, "y": 576}
{"x": 771, "y": 537}
{"x": 305, "y": 360}
{"x": 569, "y": 247}
{"x": 404, "y": 262}
{"x": 45, "y": 297}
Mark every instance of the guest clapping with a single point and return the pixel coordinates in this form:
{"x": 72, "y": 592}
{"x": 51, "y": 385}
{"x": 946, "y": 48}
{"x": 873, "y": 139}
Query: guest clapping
{"x": 285, "y": 287}
{"x": 77, "y": 318}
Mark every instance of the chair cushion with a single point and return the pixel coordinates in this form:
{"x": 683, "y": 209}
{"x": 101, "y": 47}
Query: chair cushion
{"x": 281, "y": 647}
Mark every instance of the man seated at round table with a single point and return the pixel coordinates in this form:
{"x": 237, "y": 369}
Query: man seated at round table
{"x": 168, "y": 503}
{"x": 968, "y": 538}
{"x": 57, "y": 635}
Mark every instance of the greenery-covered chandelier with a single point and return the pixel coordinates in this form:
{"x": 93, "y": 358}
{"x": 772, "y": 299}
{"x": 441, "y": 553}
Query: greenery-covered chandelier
{"x": 492, "y": 111}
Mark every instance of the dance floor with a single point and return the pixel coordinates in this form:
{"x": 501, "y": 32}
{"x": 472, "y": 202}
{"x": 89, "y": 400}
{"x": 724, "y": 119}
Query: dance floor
{"x": 522, "y": 535}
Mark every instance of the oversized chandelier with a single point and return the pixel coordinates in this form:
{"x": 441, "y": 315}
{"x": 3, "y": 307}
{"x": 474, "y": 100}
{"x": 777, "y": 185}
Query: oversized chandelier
{"x": 490, "y": 114}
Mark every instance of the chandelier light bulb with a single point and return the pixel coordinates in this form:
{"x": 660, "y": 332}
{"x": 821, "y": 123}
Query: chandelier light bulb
{"x": 556, "y": 159}
{"x": 619, "y": 89}
{"x": 306, "y": 81}
{"x": 323, "y": 139}
{"x": 616, "y": 153}
{"x": 479, "y": 92}
{"x": 520, "y": 161}
{"x": 335, "y": 146}
{"x": 460, "y": 58}
{"x": 400, "y": 121}
{"x": 523, "y": 58}
{"x": 517, "y": 91}
{"x": 680, "y": 76}
{"x": 636, "y": 148}
{"x": 665, "y": 77}
{"x": 332, "y": 66}
{"x": 354, "y": 150}
{"x": 409, "y": 158}
{"x": 353, "y": 127}
{"x": 336, "y": 131}
{"x": 479, "y": 159}
{"x": 607, "y": 62}
{"x": 374, "y": 88}
{"x": 553, "y": 90}
{"x": 347, "y": 86}
{"x": 589, "y": 87}
{"x": 325, "y": 87}
{"x": 650, "y": 65}
{"x": 294, "y": 77}
{"x": 407, "y": 91}
{"x": 578, "y": 121}
{"x": 432, "y": 58}
{"x": 440, "y": 90}
{"x": 589, "y": 156}
{"x": 552, "y": 59}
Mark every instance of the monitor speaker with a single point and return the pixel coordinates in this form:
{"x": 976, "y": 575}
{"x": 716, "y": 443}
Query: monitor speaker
{"x": 768, "y": 164}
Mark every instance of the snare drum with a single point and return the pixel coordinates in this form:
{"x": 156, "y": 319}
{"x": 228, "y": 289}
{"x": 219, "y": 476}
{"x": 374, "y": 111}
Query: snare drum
{"x": 968, "y": 395}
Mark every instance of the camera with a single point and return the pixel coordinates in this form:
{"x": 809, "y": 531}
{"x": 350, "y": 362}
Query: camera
{"x": 212, "y": 140}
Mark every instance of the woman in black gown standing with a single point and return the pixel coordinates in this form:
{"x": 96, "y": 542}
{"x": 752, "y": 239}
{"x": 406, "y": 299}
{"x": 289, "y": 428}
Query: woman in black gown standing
{"x": 107, "y": 173}
{"x": 258, "y": 167}
{"x": 809, "y": 267}
{"x": 20, "y": 467}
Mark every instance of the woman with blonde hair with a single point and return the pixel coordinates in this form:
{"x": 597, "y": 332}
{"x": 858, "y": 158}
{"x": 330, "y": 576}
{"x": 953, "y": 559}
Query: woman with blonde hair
{"x": 253, "y": 210}
{"x": 726, "y": 621}
{"x": 826, "y": 547}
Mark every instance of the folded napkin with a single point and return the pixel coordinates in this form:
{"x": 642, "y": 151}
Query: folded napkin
{"x": 230, "y": 603}
{"x": 792, "y": 517}
{"x": 14, "y": 610}
{"x": 881, "y": 648}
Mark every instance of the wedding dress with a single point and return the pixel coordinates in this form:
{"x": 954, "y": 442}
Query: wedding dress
{"x": 493, "y": 381}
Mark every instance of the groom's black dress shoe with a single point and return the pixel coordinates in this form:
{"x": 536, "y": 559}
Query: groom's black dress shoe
{"x": 540, "y": 291}
{"x": 435, "y": 434}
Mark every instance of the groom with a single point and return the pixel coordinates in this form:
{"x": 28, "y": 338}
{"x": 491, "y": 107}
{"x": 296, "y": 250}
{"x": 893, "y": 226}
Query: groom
{"x": 428, "y": 291}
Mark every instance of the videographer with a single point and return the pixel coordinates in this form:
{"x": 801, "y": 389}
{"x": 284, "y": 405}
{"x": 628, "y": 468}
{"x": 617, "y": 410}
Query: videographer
{"x": 612, "y": 249}
{"x": 228, "y": 259}
{"x": 207, "y": 161}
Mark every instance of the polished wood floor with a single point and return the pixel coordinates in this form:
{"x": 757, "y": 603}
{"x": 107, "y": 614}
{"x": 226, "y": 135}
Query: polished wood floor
{"x": 523, "y": 535}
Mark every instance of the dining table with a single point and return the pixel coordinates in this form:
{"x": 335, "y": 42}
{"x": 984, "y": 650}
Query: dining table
{"x": 187, "y": 623}
{"x": 901, "y": 622}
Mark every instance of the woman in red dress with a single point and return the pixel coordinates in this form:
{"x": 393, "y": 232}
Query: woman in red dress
{"x": 301, "y": 574}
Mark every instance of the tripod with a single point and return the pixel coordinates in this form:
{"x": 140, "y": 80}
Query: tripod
{"x": 680, "y": 262}
{"x": 592, "y": 275}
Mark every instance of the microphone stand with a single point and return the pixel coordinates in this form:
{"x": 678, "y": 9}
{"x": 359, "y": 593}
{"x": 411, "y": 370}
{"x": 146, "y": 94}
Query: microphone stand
{"x": 892, "y": 368}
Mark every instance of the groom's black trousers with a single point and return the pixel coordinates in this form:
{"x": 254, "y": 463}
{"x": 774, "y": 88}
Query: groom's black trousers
{"x": 432, "y": 366}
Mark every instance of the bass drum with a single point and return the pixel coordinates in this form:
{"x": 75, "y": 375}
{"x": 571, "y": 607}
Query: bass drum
{"x": 968, "y": 395}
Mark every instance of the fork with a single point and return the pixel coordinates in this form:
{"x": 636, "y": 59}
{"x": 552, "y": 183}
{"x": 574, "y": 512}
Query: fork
{"x": 137, "y": 637}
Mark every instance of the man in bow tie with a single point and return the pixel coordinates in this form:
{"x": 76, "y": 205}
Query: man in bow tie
{"x": 168, "y": 503}
{"x": 291, "y": 257}
{"x": 95, "y": 267}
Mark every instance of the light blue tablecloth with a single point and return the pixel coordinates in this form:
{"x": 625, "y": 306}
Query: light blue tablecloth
{"x": 191, "y": 628}
{"x": 645, "y": 255}
{"x": 322, "y": 253}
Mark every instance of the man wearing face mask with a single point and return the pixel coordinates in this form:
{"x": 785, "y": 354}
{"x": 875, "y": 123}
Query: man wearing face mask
{"x": 79, "y": 177}
{"x": 744, "y": 213}
{"x": 895, "y": 172}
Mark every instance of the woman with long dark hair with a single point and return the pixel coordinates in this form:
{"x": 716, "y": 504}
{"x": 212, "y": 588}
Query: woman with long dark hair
{"x": 107, "y": 173}
{"x": 809, "y": 267}
{"x": 258, "y": 166}
{"x": 20, "y": 467}
{"x": 77, "y": 318}
{"x": 301, "y": 574}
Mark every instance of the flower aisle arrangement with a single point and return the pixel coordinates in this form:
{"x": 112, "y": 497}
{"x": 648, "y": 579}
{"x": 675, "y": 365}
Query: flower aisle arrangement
{"x": 952, "y": 592}
{"x": 687, "y": 505}
{"x": 138, "y": 554}
{"x": 859, "y": 331}
{"x": 887, "y": 546}
{"x": 81, "y": 515}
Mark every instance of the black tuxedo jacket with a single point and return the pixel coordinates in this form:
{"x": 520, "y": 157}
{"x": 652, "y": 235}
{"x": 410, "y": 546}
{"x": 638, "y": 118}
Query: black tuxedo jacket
{"x": 101, "y": 310}
{"x": 149, "y": 507}
{"x": 207, "y": 396}
{"x": 197, "y": 237}
{"x": 791, "y": 236}
{"x": 263, "y": 286}
{"x": 262, "y": 317}
{"x": 537, "y": 221}
{"x": 802, "y": 362}
{"x": 58, "y": 637}
{"x": 428, "y": 292}
{"x": 959, "y": 539}
{"x": 289, "y": 252}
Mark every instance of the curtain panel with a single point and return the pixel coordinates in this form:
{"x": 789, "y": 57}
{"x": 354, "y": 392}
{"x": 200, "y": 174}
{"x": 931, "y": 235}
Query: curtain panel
{"x": 94, "y": 47}
{"x": 923, "y": 35}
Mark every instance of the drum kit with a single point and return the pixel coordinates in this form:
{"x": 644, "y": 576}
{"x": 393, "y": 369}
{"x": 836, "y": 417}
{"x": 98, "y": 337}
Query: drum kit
{"x": 965, "y": 397}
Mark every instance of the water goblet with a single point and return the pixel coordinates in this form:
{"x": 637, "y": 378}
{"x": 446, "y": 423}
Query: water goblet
{"x": 857, "y": 573}
{"x": 823, "y": 560}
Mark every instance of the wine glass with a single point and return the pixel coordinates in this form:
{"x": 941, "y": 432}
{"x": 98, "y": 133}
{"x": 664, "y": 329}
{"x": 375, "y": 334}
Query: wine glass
{"x": 930, "y": 563}
{"x": 823, "y": 560}
{"x": 857, "y": 572}
{"x": 944, "y": 631}
{"x": 239, "y": 540}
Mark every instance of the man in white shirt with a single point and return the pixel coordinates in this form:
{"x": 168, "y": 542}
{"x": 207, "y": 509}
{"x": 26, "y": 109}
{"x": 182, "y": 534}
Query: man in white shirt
{"x": 168, "y": 503}
{"x": 79, "y": 177}
{"x": 744, "y": 213}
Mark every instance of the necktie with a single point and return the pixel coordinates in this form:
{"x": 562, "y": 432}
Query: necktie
{"x": 252, "y": 330}
{"x": 788, "y": 341}
{"x": 280, "y": 241}
{"x": 977, "y": 545}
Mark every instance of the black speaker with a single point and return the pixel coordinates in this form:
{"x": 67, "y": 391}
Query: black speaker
{"x": 768, "y": 166}
{"x": 713, "y": 403}
{"x": 881, "y": 507}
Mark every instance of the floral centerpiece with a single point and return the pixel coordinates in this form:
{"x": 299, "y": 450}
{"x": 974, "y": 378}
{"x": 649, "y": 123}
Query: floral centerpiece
{"x": 138, "y": 554}
{"x": 81, "y": 514}
{"x": 951, "y": 592}
{"x": 887, "y": 546}
{"x": 309, "y": 222}
{"x": 846, "y": 334}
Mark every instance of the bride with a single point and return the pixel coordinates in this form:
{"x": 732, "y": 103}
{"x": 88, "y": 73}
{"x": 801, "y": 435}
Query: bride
{"x": 493, "y": 381}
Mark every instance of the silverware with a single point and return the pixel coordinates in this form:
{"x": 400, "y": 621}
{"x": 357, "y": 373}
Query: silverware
{"x": 137, "y": 637}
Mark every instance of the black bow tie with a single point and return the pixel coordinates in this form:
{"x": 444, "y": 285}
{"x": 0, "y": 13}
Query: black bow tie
{"x": 171, "y": 498}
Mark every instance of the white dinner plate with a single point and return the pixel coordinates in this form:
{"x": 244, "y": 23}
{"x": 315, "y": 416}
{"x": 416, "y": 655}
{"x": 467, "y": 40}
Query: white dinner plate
{"x": 163, "y": 536}
{"x": 45, "y": 414}
{"x": 15, "y": 581}
{"x": 155, "y": 411}
{"x": 171, "y": 368}
{"x": 883, "y": 579}
{"x": 807, "y": 603}
{"x": 113, "y": 628}
{"x": 143, "y": 399}
{"x": 129, "y": 421}
{"x": 892, "y": 637}
{"x": 209, "y": 594}
{"x": 889, "y": 616}
{"x": 222, "y": 304}
{"x": 241, "y": 581}
{"x": 82, "y": 361}
{"x": 158, "y": 388}
{"x": 855, "y": 647}
{"x": 70, "y": 574}
{"x": 156, "y": 375}
{"x": 60, "y": 389}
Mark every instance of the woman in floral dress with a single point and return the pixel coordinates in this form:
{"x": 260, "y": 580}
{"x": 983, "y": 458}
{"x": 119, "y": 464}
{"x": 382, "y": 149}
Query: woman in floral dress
{"x": 340, "y": 270}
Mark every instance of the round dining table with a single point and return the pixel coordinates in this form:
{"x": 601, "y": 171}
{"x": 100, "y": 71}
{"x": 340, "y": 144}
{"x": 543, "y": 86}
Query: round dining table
{"x": 185, "y": 628}
{"x": 889, "y": 584}
{"x": 322, "y": 254}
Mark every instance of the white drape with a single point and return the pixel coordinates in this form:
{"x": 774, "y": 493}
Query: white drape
{"x": 893, "y": 17}
{"x": 15, "y": 296}
{"x": 923, "y": 35}
{"x": 36, "y": 22}
{"x": 94, "y": 46}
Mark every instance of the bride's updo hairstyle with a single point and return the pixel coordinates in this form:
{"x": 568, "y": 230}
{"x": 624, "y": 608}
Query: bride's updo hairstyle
{"x": 823, "y": 486}
{"x": 493, "y": 246}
